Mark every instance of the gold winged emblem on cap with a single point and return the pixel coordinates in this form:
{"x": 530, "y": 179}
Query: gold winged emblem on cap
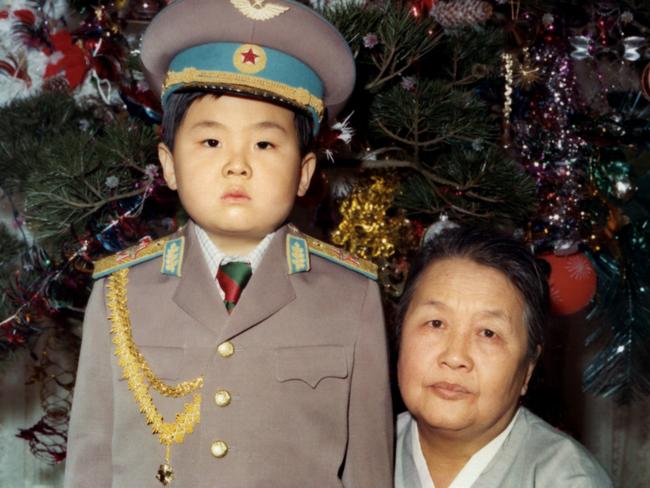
{"x": 259, "y": 9}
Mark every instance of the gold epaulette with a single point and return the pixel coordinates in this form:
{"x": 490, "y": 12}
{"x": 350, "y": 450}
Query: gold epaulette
{"x": 300, "y": 246}
{"x": 171, "y": 249}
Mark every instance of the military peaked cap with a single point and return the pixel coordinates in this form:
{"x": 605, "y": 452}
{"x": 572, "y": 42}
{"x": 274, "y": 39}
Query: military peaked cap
{"x": 278, "y": 50}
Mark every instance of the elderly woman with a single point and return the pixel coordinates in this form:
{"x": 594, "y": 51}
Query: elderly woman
{"x": 470, "y": 328}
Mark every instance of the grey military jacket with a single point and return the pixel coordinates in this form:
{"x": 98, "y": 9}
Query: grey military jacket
{"x": 307, "y": 381}
{"x": 534, "y": 455}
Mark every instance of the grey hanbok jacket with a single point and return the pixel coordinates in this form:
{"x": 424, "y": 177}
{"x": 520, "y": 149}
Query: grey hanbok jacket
{"x": 533, "y": 455}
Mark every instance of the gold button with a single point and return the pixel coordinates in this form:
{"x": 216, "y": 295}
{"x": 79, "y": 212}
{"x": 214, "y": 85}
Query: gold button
{"x": 222, "y": 398}
{"x": 219, "y": 449}
{"x": 226, "y": 349}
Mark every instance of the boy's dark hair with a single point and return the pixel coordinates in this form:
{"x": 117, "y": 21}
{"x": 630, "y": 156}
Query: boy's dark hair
{"x": 179, "y": 102}
{"x": 499, "y": 251}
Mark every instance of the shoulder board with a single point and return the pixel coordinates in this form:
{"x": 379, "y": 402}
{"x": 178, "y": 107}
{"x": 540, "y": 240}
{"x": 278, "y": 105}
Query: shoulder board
{"x": 299, "y": 244}
{"x": 170, "y": 248}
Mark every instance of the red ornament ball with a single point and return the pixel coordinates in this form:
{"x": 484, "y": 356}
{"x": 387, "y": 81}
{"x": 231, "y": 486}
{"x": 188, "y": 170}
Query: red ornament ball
{"x": 572, "y": 282}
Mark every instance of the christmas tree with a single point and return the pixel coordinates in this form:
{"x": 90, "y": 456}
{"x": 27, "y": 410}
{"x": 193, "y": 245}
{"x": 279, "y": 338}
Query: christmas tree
{"x": 531, "y": 116}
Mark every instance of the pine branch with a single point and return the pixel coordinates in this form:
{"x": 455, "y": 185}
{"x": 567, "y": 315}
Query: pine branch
{"x": 396, "y": 163}
{"x": 402, "y": 41}
{"x": 127, "y": 144}
{"x": 432, "y": 114}
{"x": 28, "y": 127}
{"x": 621, "y": 369}
{"x": 82, "y": 175}
{"x": 469, "y": 55}
{"x": 353, "y": 21}
{"x": 476, "y": 184}
{"x": 11, "y": 249}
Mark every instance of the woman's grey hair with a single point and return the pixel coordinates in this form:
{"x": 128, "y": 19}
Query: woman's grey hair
{"x": 496, "y": 250}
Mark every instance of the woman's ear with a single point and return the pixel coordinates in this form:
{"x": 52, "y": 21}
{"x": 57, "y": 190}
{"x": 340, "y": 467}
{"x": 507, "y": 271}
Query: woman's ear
{"x": 167, "y": 162}
{"x": 530, "y": 368}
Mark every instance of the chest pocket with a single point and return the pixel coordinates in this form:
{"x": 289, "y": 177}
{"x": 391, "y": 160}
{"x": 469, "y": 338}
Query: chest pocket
{"x": 165, "y": 362}
{"x": 310, "y": 364}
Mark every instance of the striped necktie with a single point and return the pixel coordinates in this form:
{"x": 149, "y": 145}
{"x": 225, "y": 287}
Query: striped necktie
{"x": 232, "y": 278}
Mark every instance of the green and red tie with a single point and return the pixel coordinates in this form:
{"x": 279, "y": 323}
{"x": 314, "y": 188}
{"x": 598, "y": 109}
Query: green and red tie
{"x": 232, "y": 278}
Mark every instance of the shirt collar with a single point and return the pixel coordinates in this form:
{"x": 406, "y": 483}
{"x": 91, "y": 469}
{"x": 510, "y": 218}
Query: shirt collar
{"x": 214, "y": 256}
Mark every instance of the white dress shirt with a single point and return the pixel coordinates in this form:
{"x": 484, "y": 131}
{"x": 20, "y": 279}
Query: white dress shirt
{"x": 214, "y": 256}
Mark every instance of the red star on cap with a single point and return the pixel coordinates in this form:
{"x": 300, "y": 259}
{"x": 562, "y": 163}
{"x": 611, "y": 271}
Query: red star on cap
{"x": 249, "y": 56}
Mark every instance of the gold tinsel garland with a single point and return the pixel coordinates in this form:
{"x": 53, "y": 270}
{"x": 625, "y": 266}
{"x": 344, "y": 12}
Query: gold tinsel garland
{"x": 365, "y": 229}
{"x": 140, "y": 378}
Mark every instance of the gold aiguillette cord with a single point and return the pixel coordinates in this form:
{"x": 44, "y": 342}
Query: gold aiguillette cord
{"x": 140, "y": 378}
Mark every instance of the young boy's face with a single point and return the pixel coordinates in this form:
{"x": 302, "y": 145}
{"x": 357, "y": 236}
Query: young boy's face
{"x": 237, "y": 167}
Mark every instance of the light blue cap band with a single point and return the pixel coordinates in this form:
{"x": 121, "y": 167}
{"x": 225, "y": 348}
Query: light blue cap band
{"x": 250, "y": 69}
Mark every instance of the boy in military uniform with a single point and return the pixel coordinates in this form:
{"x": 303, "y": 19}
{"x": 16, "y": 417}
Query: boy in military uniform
{"x": 237, "y": 352}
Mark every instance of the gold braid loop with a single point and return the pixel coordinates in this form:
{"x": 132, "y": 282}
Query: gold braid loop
{"x": 139, "y": 376}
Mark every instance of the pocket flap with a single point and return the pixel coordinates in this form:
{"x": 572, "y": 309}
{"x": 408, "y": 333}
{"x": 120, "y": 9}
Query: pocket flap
{"x": 311, "y": 364}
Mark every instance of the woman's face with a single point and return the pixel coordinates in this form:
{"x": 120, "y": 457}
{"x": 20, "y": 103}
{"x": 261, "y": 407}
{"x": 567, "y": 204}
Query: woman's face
{"x": 462, "y": 360}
